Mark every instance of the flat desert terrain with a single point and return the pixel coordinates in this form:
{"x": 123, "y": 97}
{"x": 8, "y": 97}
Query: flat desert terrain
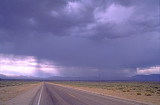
{"x": 147, "y": 92}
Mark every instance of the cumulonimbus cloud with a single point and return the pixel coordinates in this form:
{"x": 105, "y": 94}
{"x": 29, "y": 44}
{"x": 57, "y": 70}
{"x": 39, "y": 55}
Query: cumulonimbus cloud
{"x": 111, "y": 36}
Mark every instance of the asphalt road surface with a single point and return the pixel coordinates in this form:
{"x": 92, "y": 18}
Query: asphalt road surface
{"x": 50, "y": 94}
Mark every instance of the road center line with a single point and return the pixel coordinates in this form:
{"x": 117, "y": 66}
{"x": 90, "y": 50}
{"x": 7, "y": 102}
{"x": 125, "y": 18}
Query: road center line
{"x": 40, "y": 96}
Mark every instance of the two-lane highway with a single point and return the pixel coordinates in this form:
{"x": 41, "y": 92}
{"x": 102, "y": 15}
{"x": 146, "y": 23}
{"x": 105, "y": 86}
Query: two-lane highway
{"x": 50, "y": 94}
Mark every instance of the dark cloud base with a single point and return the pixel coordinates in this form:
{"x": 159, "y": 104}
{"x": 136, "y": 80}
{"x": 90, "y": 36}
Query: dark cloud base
{"x": 78, "y": 37}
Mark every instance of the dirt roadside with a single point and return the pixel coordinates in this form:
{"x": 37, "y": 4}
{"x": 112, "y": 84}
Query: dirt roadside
{"x": 18, "y": 95}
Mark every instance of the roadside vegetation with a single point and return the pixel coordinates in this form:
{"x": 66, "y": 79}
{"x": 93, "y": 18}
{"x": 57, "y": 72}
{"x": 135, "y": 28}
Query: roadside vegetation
{"x": 6, "y": 83}
{"x": 136, "y": 88}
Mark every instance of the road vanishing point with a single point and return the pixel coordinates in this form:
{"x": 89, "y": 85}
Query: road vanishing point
{"x": 51, "y": 94}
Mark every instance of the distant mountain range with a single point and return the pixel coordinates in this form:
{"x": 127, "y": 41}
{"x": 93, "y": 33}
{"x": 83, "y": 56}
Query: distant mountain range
{"x": 49, "y": 78}
{"x": 153, "y": 77}
{"x": 17, "y": 77}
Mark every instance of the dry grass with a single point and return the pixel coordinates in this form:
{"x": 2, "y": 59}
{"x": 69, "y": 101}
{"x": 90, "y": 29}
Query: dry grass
{"x": 6, "y": 83}
{"x": 140, "y": 91}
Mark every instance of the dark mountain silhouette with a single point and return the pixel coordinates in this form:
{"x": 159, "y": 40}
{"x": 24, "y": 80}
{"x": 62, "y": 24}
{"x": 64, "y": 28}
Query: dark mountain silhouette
{"x": 153, "y": 77}
{"x": 16, "y": 77}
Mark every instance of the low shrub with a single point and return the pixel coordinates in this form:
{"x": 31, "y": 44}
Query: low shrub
{"x": 147, "y": 94}
{"x": 124, "y": 90}
{"x": 138, "y": 93}
{"x": 158, "y": 93}
{"x": 128, "y": 90}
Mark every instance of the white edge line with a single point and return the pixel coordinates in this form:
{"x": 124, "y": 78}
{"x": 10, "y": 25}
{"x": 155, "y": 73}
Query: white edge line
{"x": 40, "y": 96}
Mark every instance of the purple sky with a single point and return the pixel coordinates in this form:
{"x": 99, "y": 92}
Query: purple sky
{"x": 79, "y": 37}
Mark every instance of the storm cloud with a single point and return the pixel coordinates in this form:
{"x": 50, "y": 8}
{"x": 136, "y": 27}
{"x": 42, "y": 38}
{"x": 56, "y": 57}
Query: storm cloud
{"x": 83, "y": 37}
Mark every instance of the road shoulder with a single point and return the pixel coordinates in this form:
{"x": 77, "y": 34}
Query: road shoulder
{"x": 23, "y": 96}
